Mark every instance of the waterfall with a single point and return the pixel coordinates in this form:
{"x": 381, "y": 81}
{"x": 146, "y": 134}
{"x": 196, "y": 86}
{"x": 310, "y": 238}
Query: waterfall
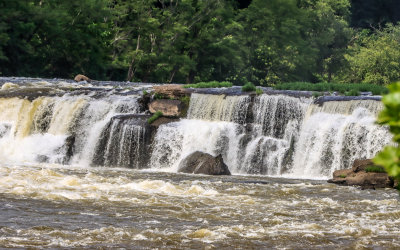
{"x": 54, "y": 128}
{"x": 218, "y": 108}
{"x": 335, "y": 135}
{"x": 276, "y": 135}
{"x": 258, "y": 149}
{"x": 176, "y": 140}
{"x": 346, "y": 107}
{"x": 123, "y": 144}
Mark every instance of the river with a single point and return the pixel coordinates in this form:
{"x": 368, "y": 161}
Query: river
{"x": 81, "y": 168}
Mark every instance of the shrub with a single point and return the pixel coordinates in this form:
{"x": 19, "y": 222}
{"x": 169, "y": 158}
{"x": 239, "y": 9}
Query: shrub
{"x": 374, "y": 169}
{"x": 248, "y": 87}
{"x": 352, "y": 92}
{"x": 259, "y": 91}
{"x": 342, "y": 88}
{"x": 212, "y": 84}
{"x": 156, "y": 115}
{"x": 158, "y": 96}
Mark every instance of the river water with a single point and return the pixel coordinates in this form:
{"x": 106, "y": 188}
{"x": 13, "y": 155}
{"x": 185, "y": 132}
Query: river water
{"x": 81, "y": 168}
{"x": 55, "y": 206}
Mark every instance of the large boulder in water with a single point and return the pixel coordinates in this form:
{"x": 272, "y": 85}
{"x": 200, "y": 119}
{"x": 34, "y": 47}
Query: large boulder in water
{"x": 365, "y": 174}
{"x": 203, "y": 163}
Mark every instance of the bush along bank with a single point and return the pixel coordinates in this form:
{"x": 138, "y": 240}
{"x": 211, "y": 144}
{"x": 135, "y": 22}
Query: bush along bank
{"x": 348, "y": 89}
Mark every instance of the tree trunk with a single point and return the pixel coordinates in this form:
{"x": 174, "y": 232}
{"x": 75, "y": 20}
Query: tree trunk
{"x": 131, "y": 70}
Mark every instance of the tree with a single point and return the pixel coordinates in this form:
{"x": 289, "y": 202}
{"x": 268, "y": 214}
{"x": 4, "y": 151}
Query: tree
{"x": 329, "y": 35}
{"x": 274, "y": 38}
{"x": 54, "y": 37}
{"x": 375, "y": 58}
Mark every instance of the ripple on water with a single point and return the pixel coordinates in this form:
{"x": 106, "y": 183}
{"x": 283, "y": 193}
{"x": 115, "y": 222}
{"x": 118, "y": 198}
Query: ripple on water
{"x": 56, "y": 206}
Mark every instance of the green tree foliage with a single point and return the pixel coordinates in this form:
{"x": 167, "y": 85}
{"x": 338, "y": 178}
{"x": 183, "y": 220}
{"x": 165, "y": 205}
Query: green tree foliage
{"x": 274, "y": 42}
{"x": 169, "y": 41}
{"x": 390, "y": 115}
{"x": 375, "y": 58}
{"x": 329, "y": 34}
{"x": 258, "y": 41}
{"x": 54, "y": 37}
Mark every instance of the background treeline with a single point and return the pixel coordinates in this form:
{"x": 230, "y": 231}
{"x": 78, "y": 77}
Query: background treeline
{"x": 259, "y": 41}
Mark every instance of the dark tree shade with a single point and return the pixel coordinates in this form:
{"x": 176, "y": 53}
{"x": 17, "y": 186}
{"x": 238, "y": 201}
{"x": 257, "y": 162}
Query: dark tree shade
{"x": 374, "y": 13}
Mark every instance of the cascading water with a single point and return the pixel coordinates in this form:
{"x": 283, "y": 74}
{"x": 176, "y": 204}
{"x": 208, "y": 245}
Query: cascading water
{"x": 277, "y": 135}
{"x": 330, "y": 141}
{"x": 219, "y": 108}
{"x": 274, "y": 135}
{"x": 44, "y": 203}
{"x": 57, "y": 129}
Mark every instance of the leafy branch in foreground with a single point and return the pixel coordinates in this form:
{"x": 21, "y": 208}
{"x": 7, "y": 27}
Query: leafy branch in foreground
{"x": 389, "y": 157}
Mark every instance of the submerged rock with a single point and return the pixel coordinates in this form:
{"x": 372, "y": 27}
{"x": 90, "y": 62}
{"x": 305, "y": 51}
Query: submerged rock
{"x": 358, "y": 176}
{"x": 203, "y": 163}
{"x": 171, "y": 108}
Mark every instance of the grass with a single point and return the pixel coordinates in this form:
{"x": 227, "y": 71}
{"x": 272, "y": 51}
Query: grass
{"x": 259, "y": 91}
{"x": 212, "y": 84}
{"x": 343, "y": 88}
{"x": 374, "y": 169}
{"x": 156, "y": 115}
{"x": 248, "y": 87}
{"x": 342, "y": 176}
{"x": 159, "y": 96}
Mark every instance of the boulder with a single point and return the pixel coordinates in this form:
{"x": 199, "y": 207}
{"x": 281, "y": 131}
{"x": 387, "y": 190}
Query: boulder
{"x": 81, "y": 78}
{"x": 357, "y": 176}
{"x": 171, "y": 108}
{"x": 171, "y": 90}
{"x": 203, "y": 163}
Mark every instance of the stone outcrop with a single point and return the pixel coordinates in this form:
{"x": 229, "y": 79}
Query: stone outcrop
{"x": 171, "y": 91}
{"x": 81, "y": 78}
{"x": 170, "y": 108}
{"x": 203, "y": 163}
{"x": 357, "y": 176}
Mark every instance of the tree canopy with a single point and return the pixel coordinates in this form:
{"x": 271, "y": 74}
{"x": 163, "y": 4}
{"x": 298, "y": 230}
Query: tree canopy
{"x": 259, "y": 41}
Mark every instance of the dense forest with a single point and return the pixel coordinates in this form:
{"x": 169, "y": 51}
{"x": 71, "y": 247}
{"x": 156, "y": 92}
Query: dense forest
{"x": 260, "y": 41}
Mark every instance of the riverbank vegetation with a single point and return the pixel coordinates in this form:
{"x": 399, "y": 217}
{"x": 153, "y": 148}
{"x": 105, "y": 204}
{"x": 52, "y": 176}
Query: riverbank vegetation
{"x": 258, "y": 41}
{"x": 342, "y": 88}
{"x": 212, "y": 84}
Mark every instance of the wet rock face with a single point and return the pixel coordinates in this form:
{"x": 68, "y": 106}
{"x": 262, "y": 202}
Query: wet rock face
{"x": 203, "y": 163}
{"x": 170, "y": 108}
{"x": 357, "y": 176}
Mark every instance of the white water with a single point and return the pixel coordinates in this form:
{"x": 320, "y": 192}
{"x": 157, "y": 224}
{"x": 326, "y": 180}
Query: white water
{"x": 269, "y": 134}
{"x": 289, "y": 136}
{"x": 218, "y": 108}
{"x": 32, "y": 131}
